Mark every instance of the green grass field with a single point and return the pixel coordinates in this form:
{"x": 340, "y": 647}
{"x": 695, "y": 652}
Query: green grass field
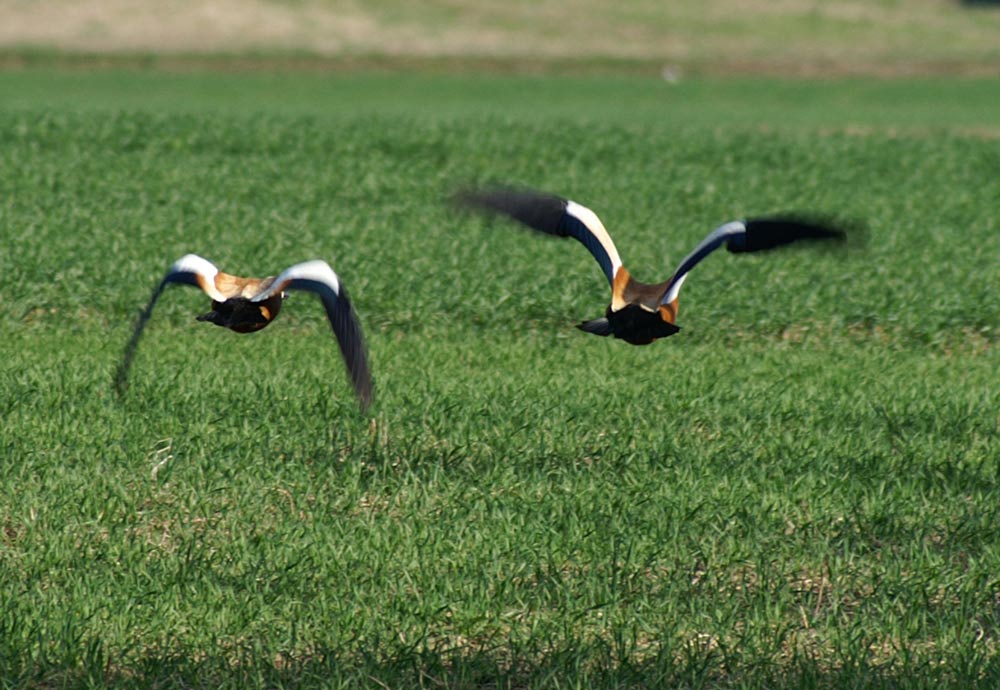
{"x": 799, "y": 490}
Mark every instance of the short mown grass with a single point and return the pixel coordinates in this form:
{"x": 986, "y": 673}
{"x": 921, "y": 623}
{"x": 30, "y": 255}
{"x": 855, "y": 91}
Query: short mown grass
{"x": 800, "y": 489}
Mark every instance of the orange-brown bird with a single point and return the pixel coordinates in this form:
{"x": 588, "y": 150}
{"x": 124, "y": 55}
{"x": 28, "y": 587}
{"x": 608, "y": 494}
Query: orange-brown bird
{"x": 639, "y": 313}
{"x": 247, "y": 305}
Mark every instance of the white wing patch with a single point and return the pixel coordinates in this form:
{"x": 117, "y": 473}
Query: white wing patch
{"x": 597, "y": 229}
{"x": 674, "y": 290}
{"x": 194, "y": 265}
{"x": 315, "y": 271}
{"x": 715, "y": 239}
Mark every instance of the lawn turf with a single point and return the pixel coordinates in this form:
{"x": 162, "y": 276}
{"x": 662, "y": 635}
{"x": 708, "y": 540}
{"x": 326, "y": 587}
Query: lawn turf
{"x": 800, "y": 489}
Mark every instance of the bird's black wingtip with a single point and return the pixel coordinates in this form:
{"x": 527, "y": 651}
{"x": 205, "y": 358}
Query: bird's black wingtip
{"x": 351, "y": 341}
{"x": 120, "y": 382}
{"x": 771, "y": 232}
{"x": 365, "y": 391}
{"x": 478, "y": 199}
{"x": 537, "y": 210}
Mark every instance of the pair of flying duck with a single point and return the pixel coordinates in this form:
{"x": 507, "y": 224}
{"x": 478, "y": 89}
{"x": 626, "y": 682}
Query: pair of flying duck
{"x": 639, "y": 313}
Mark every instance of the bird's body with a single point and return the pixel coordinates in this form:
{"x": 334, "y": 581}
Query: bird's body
{"x": 238, "y": 312}
{"x": 639, "y": 313}
{"x": 243, "y": 315}
{"x": 247, "y": 305}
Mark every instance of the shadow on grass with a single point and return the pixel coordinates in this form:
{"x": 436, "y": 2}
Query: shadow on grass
{"x": 583, "y": 667}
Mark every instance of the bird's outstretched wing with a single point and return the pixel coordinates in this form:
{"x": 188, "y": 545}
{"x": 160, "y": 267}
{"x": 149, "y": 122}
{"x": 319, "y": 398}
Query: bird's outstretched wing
{"x": 753, "y": 235}
{"x": 188, "y": 270}
{"x": 317, "y": 277}
{"x": 552, "y": 215}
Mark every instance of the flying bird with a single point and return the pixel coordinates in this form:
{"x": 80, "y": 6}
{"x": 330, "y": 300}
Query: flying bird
{"x": 247, "y": 305}
{"x": 639, "y": 313}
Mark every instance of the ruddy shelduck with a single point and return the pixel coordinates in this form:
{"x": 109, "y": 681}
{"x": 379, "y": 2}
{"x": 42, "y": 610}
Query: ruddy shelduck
{"x": 639, "y": 313}
{"x": 247, "y": 305}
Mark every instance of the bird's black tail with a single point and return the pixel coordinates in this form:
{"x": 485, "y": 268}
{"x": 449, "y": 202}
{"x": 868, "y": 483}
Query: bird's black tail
{"x": 599, "y": 326}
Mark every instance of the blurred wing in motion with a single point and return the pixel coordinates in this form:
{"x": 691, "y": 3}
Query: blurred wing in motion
{"x": 754, "y": 235}
{"x": 551, "y": 215}
{"x": 189, "y": 270}
{"x": 317, "y": 277}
